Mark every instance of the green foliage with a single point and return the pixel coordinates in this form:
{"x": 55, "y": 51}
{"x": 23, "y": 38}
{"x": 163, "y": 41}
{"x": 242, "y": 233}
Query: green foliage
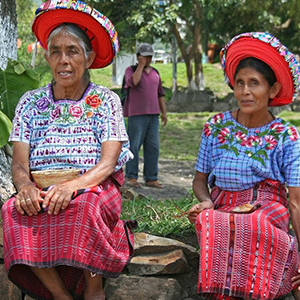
{"x": 223, "y": 19}
{"x": 159, "y": 217}
{"x": 119, "y": 12}
{"x": 5, "y": 128}
{"x": 14, "y": 82}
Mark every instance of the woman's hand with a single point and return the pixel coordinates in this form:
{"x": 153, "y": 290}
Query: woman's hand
{"x": 198, "y": 208}
{"x": 28, "y": 200}
{"x": 59, "y": 196}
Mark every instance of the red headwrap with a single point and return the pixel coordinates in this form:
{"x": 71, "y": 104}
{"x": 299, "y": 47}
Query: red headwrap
{"x": 268, "y": 49}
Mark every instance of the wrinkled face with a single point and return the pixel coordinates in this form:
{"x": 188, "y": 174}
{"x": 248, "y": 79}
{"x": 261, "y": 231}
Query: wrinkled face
{"x": 67, "y": 60}
{"x": 252, "y": 90}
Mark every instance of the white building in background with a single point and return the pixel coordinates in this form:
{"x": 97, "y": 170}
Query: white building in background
{"x": 121, "y": 62}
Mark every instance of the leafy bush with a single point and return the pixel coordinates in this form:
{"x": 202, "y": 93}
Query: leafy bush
{"x": 15, "y": 80}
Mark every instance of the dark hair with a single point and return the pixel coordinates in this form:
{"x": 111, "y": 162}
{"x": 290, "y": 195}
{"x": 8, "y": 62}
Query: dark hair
{"x": 259, "y": 66}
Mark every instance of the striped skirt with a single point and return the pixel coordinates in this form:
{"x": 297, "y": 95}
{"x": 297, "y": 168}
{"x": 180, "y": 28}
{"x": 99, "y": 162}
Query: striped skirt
{"x": 246, "y": 255}
{"x": 87, "y": 235}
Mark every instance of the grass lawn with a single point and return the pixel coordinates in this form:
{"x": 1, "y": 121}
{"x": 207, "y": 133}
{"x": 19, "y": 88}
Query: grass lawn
{"x": 213, "y": 77}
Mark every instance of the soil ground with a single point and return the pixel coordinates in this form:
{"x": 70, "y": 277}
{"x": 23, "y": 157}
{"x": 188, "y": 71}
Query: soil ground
{"x": 175, "y": 176}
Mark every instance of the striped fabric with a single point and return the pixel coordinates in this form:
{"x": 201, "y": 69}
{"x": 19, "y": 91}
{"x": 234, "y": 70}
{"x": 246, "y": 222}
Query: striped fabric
{"x": 87, "y": 235}
{"x": 248, "y": 256}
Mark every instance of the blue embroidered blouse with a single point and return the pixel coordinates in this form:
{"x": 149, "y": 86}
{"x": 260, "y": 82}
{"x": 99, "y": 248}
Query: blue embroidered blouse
{"x": 237, "y": 157}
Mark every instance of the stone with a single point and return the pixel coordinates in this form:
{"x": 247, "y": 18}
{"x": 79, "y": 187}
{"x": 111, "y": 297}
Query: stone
{"x": 173, "y": 262}
{"x": 128, "y": 194}
{"x": 146, "y": 288}
{"x": 150, "y": 244}
{"x": 8, "y": 290}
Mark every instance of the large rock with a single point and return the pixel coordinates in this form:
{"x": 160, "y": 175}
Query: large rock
{"x": 150, "y": 244}
{"x": 156, "y": 264}
{"x": 144, "y": 288}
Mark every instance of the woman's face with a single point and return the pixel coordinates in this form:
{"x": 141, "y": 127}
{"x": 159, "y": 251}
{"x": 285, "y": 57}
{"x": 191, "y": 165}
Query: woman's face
{"x": 253, "y": 91}
{"x": 67, "y": 61}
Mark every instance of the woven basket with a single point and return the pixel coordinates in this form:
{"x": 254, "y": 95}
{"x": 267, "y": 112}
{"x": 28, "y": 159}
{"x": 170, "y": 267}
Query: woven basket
{"x": 50, "y": 177}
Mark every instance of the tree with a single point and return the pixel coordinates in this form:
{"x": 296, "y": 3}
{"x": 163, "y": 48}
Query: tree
{"x": 226, "y": 18}
{"x": 182, "y": 19}
{"x": 8, "y": 49}
{"x": 119, "y": 12}
{"x": 8, "y": 36}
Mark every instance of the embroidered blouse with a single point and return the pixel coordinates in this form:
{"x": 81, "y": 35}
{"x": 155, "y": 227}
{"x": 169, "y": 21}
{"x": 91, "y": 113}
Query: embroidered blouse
{"x": 237, "y": 157}
{"x": 68, "y": 133}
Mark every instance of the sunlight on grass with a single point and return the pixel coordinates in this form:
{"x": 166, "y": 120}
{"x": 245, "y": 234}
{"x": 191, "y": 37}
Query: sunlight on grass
{"x": 180, "y": 138}
{"x": 213, "y": 77}
{"x": 158, "y": 217}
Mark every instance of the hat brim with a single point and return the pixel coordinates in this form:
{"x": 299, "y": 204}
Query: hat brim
{"x": 146, "y": 53}
{"x": 249, "y": 47}
{"x": 102, "y": 45}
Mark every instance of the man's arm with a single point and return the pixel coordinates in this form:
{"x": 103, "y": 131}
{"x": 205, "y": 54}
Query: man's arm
{"x": 162, "y": 107}
{"x": 137, "y": 75}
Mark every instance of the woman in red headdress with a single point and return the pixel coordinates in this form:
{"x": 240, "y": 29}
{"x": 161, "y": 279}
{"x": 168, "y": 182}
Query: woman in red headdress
{"x": 246, "y": 159}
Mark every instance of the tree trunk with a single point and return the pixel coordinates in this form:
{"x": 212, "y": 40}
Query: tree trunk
{"x": 197, "y": 48}
{"x": 8, "y": 49}
{"x": 8, "y": 32}
{"x": 185, "y": 55}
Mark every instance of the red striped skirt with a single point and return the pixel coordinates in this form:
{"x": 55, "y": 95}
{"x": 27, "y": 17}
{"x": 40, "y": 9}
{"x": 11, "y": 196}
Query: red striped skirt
{"x": 247, "y": 255}
{"x": 87, "y": 235}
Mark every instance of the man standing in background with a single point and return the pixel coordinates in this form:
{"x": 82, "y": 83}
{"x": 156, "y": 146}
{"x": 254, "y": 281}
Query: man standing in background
{"x": 144, "y": 103}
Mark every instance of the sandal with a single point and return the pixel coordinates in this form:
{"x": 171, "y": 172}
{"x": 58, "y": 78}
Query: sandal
{"x": 154, "y": 183}
{"x": 133, "y": 182}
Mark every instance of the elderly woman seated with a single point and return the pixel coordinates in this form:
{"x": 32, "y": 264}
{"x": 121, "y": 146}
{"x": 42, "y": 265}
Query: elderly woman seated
{"x": 60, "y": 242}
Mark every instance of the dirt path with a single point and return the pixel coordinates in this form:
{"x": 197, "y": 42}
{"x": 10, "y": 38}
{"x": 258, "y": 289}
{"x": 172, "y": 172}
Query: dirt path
{"x": 175, "y": 176}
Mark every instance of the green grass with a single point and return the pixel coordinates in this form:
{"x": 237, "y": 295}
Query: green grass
{"x": 159, "y": 217}
{"x": 180, "y": 138}
{"x": 213, "y": 77}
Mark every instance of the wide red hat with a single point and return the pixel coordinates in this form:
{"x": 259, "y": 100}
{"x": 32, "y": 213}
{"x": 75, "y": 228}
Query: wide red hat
{"x": 100, "y": 30}
{"x": 270, "y": 50}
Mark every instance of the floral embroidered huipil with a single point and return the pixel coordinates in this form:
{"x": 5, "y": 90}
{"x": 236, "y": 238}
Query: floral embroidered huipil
{"x": 237, "y": 157}
{"x": 67, "y": 133}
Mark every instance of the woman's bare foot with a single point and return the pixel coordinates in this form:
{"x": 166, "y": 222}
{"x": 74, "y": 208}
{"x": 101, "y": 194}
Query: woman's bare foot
{"x": 100, "y": 295}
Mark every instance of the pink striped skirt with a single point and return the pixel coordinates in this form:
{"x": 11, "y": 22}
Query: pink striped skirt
{"x": 87, "y": 235}
{"x": 247, "y": 255}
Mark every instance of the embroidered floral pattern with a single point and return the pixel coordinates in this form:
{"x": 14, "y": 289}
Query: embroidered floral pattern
{"x": 255, "y": 146}
{"x": 69, "y": 133}
{"x": 68, "y": 112}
